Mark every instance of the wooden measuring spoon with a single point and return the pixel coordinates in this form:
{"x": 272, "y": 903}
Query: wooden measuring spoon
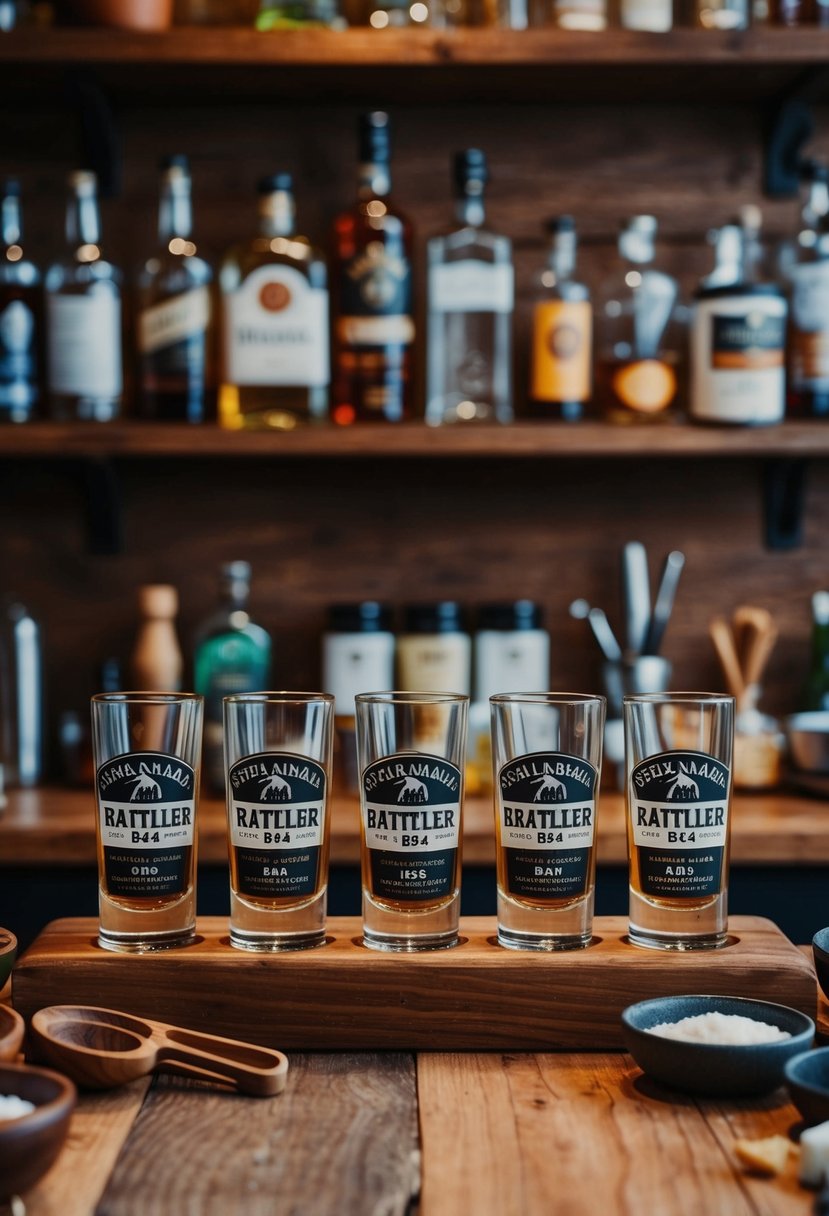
{"x": 102, "y": 1048}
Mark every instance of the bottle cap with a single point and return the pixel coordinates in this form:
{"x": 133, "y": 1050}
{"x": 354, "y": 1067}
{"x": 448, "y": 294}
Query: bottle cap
{"x": 559, "y": 223}
{"x": 646, "y": 224}
{"x": 11, "y": 187}
{"x": 84, "y": 182}
{"x": 470, "y": 166}
{"x": 443, "y": 617}
{"x": 522, "y": 614}
{"x": 159, "y": 600}
{"x": 276, "y": 181}
{"x": 176, "y": 160}
{"x": 366, "y": 617}
{"x": 374, "y": 137}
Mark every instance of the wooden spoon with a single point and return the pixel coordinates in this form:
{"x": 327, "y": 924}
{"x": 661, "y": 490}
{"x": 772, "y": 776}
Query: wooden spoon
{"x": 723, "y": 640}
{"x": 102, "y": 1048}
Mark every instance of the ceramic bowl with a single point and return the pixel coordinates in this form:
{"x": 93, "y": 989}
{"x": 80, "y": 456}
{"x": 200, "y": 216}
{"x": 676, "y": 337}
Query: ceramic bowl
{"x": 12, "y": 1028}
{"x": 8, "y": 953}
{"x": 808, "y": 735}
{"x": 706, "y": 1068}
{"x": 807, "y": 1079}
{"x": 820, "y": 953}
{"x": 30, "y": 1144}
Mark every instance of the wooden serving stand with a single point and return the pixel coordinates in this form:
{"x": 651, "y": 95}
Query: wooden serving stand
{"x": 344, "y": 996}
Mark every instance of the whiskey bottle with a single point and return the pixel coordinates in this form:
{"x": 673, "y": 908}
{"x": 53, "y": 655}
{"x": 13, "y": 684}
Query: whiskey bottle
{"x": 562, "y": 336}
{"x": 232, "y": 655}
{"x": 808, "y": 379}
{"x": 20, "y": 316}
{"x": 372, "y": 293}
{"x": 174, "y": 332}
{"x": 470, "y": 302}
{"x": 83, "y": 315}
{"x": 637, "y": 350}
{"x": 275, "y": 322}
{"x": 814, "y": 205}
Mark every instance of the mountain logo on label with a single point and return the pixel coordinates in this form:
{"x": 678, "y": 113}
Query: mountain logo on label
{"x": 683, "y": 786}
{"x": 412, "y": 791}
{"x": 549, "y": 788}
{"x": 145, "y": 788}
{"x": 274, "y": 789}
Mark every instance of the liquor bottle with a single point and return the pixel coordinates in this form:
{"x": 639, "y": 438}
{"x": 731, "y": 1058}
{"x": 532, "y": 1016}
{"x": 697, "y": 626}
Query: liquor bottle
{"x": 808, "y": 380}
{"x": 174, "y": 332}
{"x": 297, "y": 14}
{"x": 816, "y": 692}
{"x": 470, "y": 301}
{"x": 637, "y": 352}
{"x": 562, "y": 335}
{"x": 232, "y": 654}
{"x": 21, "y": 696}
{"x": 83, "y": 314}
{"x": 20, "y": 316}
{"x": 814, "y": 205}
{"x": 790, "y": 13}
{"x": 275, "y": 321}
{"x": 372, "y": 293}
{"x": 722, "y": 14}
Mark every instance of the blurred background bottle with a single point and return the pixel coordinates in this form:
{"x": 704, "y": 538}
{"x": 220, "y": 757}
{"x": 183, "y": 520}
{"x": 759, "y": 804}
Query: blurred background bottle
{"x": 816, "y": 692}
{"x": 21, "y": 696}
{"x": 562, "y": 333}
{"x": 20, "y": 316}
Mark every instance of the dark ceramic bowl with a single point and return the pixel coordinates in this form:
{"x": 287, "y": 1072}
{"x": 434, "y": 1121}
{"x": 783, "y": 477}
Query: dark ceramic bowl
{"x": 8, "y": 953}
{"x": 706, "y": 1068}
{"x": 820, "y": 952}
{"x": 807, "y": 1078}
{"x": 30, "y": 1144}
{"x": 12, "y": 1028}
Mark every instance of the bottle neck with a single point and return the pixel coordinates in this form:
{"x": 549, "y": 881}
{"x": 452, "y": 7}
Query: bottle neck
{"x": 277, "y": 214}
{"x": 83, "y": 221}
{"x": 637, "y": 246}
{"x": 816, "y": 205}
{"x": 11, "y": 220}
{"x": 562, "y": 256}
{"x": 469, "y": 210}
{"x": 373, "y": 180}
{"x": 175, "y": 209}
{"x": 235, "y": 594}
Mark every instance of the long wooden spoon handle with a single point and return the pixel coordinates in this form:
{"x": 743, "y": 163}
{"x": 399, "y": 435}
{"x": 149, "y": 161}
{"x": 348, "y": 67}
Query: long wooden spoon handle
{"x": 254, "y": 1070}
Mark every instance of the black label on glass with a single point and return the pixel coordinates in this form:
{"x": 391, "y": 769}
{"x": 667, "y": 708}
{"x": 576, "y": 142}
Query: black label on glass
{"x": 147, "y": 811}
{"x": 547, "y": 821}
{"x": 412, "y": 820}
{"x": 277, "y": 820}
{"x": 679, "y": 823}
{"x": 377, "y": 282}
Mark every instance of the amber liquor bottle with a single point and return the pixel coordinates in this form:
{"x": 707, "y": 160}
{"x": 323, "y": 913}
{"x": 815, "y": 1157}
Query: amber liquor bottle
{"x": 374, "y": 330}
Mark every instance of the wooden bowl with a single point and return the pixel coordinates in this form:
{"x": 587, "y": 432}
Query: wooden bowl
{"x": 30, "y": 1144}
{"x": 8, "y": 953}
{"x": 12, "y": 1028}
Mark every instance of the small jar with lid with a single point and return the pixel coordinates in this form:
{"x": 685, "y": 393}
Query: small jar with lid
{"x": 434, "y": 652}
{"x": 357, "y": 656}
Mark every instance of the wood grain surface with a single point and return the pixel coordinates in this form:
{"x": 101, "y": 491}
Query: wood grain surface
{"x": 542, "y": 1135}
{"x": 344, "y": 996}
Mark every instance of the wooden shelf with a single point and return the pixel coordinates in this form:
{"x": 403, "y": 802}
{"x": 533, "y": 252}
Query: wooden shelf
{"x": 521, "y": 440}
{"x": 751, "y": 63}
{"x": 55, "y": 827}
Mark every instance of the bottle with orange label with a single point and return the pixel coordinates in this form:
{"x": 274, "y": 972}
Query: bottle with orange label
{"x": 560, "y": 373}
{"x": 637, "y": 341}
{"x": 275, "y": 343}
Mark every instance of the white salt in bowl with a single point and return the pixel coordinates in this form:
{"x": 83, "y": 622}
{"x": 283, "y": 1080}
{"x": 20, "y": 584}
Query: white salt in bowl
{"x": 724, "y": 1070}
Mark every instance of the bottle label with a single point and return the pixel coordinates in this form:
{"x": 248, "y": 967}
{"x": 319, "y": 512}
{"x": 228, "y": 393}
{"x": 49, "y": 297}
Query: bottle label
{"x": 172, "y": 321}
{"x": 647, "y": 386}
{"x": 471, "y": 286}
{"x": 84, "y": 343}
{"x": 276, "y": 330}
{"x": 751, "y": 341}
{"x": 809, "y": 351}
{"x": 376, "y": 298}
{"x": 562, "y": 335}
{"x": 412, "y": 820}
{"x": 277, "y": 814}
{"x": 547, "y": 818}
{"x": 18, "y": 375}
{"x": 655, "y": 15}
{"x": 147, "y": 813}
{"x": 678, "y": 813}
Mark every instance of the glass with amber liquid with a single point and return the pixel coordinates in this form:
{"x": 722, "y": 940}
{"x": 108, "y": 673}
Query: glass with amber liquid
{"x": 371, "y": 289}
{"x": 147, "y": 750}
{"x": 278, "y": 760}
{"x": 678, "y": 763}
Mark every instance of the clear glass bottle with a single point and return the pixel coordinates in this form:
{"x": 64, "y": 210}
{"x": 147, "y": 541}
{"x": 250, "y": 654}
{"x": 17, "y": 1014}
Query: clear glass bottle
{"x": 807, "y": 390}
{"x": 814, "y": 206}
{"x": 20, "y": 316}
{"x": 637, "y": 346}
{"x": 470, "y": 302}
{"x": 562, "y": 333}
{"x": 83, "y": 316}
{"x": 275, "y": 364}
{"x": 174, "y": 315}
{"x": 232, "y": 654}
{"x": 371, "y": 293}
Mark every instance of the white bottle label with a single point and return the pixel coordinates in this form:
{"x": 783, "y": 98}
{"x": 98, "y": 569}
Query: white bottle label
{"x": 276, "y": 330}
{"x": 810, "y": 296}
{"x": 85, "y": 343}
{"x": 471, "y": 286}
{"x": 510, "y": 659}
{"x": 173, "y": 320}
{"x": 354, "y": 662}
{"x": 737, "y": 350}
{"x": 655, "y": 15}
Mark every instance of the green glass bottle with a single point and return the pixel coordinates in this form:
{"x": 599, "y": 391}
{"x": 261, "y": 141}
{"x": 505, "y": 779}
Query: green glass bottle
{"x": 816, "y": 692}
{"x": 232, "y": 654}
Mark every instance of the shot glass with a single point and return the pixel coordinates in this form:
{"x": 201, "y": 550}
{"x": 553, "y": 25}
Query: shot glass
{"x": 411, "y": 749}
{"x": 278, "y": 761}
{"x": 678, "y": 777}
{"x": 147, "y": 752}
{"x": 547, "y": 759}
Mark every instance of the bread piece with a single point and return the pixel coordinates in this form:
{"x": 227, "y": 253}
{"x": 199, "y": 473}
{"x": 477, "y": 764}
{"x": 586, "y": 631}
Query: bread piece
{"x": 764, "y": 1156}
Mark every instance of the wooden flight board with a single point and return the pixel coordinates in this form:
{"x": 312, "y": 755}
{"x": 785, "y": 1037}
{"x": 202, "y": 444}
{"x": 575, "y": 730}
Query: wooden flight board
{"x": 342, "y": 995}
